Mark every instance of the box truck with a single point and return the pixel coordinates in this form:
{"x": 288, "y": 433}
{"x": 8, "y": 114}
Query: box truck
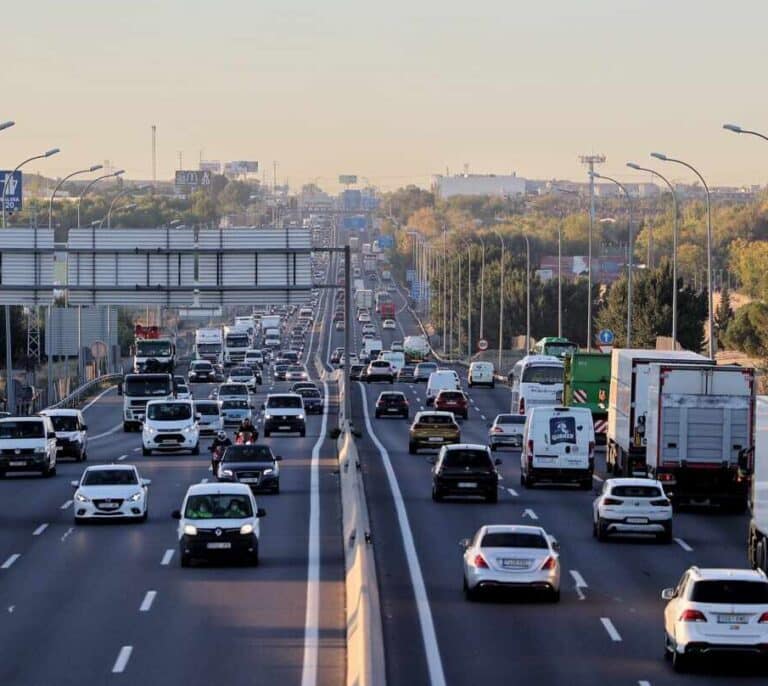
{"x": 586, "y": 383}
{"x": 757, "y": 541}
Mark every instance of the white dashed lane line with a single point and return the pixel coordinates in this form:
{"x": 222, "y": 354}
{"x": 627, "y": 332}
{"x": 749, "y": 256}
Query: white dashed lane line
{"x": 122, "y": 659}
{"x": 66, "y": 504}
{"x": 683, "y": 545}
{"x": 136, "y": 450}
{"x": 610, "y": 629}
{"x": 121, "y": 458}
{"x": 146, "y": 604}
{"x": 40, "y": 529}
{"x": 167, "y": 555}
{"x": 512, "y": 492}
{"x": 531, "y": 514}
{"x": 10, "y": 561}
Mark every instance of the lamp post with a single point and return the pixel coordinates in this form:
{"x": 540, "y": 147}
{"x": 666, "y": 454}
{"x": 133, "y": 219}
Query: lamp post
{"x": 737, "y": 129}
{"x": 6, "y": 185}
{"x": 527, "y": 294}
{"x": 90, "y": 185}
{"x": 9, "y": 394}
{"x": 94, "y": 168}
{"x": 675, "y": 232}
{"x": 445, "y": 288}
{"x": 469, "y": 298}
{"x": 122, "y": 194}
{"x": 501, "y": 296}
{"x": 630, "y": 249}
{"x": 710, "y": 295}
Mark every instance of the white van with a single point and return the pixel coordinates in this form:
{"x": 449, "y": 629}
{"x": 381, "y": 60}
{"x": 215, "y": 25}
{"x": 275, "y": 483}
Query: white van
{"x": 170, "y": 425}
{"x": 536, "y": 380}
{"x": 71, "y": 433}
{"x": 27, "y": 444}
{"x": 558, "y": 445}
{"x": 441, "y": 380}
{"x": 481, "y": 373}
{"x": 396, "y": 360}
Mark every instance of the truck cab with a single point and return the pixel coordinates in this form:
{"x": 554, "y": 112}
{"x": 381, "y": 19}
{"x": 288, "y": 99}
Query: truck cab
{"x": 153, "y": 351}
{"x": 137, "y": 390}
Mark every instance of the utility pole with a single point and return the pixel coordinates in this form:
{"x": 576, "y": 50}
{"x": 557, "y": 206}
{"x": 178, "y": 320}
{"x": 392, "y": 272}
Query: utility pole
{"x": 590, "y": 161}
{"x": 154, "y": 154}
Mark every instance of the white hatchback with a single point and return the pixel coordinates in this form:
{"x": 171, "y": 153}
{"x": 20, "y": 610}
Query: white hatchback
{"x": 111, "y": 491}
{"x": 632, "y": 506}
{"x": 389, "y": 324}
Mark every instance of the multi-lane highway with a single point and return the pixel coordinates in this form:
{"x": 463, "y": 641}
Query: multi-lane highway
{"x": 607, "y": 629}
{"x": 109, "y": 603}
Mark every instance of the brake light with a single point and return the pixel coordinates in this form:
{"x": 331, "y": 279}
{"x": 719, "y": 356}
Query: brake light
{"x": 497, "y": 430}
{"x": 665, "y": 477}
{"x": 521, "y": 406}
{"x": 549, "y": 563}
{"x": 661, "y": 502}
{"x": 692, "y": 616}
{"x": 480, "y": 562}
{"x": 591, "y": 447}
{"x": 612, "y": 501}
{"x": 763, "y": 618}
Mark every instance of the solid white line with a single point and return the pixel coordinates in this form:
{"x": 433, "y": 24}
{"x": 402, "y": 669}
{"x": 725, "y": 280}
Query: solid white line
{"x": 530, "y": 513}
{"x": 643, "y": 683}
{"x": 149, "y": 598}
{"x": 429, "y": 637}
{"x": 98, "y": 397}
{"x": 167, "y": 555}
{"x": 578, "y": 579}
{"x": 40, "y": 529}
{"x": 312, "y": 617}
{"x": 136, "y": 450}
{"x": 10, "y": 561}
{"x": 608, "y": 625}
{"x": 66, "y": 504}
{"x": 512, "y": 491}
{"x": 121, "y": 458}
{"x": 114, "y": 429}
{"x": 122, "y": 659}
{"x": 683, "y": 545}
{"x": 598, "y": 478}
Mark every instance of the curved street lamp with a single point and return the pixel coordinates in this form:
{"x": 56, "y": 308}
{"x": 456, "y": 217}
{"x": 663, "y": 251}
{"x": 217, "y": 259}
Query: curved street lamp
{"x": 90, "y": 185}
{"x": 94, "y": 168}
{"x": 121, "y": 194}
{"x": 501, "y": 296}
{"x": 47, "y": 153}
{"x": 737, "y": 129}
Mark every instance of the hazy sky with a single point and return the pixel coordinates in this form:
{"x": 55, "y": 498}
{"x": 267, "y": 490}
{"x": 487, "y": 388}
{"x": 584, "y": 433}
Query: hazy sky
{"x": 393, "y": 91}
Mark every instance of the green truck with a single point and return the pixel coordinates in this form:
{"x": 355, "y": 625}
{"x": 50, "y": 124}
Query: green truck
{"x": 586, "y": 382}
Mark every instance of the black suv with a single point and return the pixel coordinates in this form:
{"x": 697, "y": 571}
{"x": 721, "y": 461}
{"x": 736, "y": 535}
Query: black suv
{"x": 423, "y": 370}
{"x": 356, "y": 372}
{"x": 392, "y": 404}
{"x": 463, "y": 469}
{"x": 406, "y": 373}
{"x": 253, "y": 465}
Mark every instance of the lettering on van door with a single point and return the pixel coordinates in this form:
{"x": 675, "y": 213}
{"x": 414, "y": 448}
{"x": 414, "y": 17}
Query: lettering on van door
{"x": 562, "y": 430}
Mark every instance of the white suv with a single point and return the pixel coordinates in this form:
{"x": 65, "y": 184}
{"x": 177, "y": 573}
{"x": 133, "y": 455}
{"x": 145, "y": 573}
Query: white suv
{"x": 284, "y": 412}
{"x": 170, "y": 425}
{"x": 632, "y": 506}
{"x": 27, "y": 444}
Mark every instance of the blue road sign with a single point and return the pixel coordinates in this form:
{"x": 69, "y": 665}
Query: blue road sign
{"x": 606, "y": 337}
{"x": 356, "y": 223}
{"x": 13, "y": 196}
{"x": 386, "y": 242}
{"x": 410, "y": 275}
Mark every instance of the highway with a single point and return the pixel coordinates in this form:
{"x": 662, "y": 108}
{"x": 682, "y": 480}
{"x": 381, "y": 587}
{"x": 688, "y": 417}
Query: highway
{"x": 607, "y": 629}
{"x": 108, "y": 603}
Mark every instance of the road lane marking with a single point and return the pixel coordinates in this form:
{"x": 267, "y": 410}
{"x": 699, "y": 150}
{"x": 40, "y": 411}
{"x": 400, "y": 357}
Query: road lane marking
{"x": 683, "y": 545}
{"x": 121, "y": 458}
{"x": 66, "y": 504}
{"x": 122, "y": 659}
{"x": 530, "y": 513}
{"x": 113, "y": 430}
{"x": 643, "y": 683}
{"x": 512, "y": 491}
{"x": 598, "y": 478}
{"x": 10, "y": 561}
{"x": 167, "y": 555}
{"x": 40, "y": 529}
{"x": 146, "y": 604}
{"x": 482, "y": 416}
{"x": 312, "y": 617}
{"x": 67, "y": 534}
{"x": 578, "y": 579}
{"x": 610, "y": 629}
{"x": 429, "y": 637}
{"x": 136, "y": 450}
{"x": 98, "y": 397}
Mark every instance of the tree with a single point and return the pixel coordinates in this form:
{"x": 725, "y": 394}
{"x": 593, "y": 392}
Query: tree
{"x": 723, "y": 315}
{"x": 748, "y": 332}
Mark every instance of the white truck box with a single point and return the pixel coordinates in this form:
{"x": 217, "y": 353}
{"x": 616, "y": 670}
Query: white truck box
{"x": 757, "y": 545}
{"x": 364, "y": 299}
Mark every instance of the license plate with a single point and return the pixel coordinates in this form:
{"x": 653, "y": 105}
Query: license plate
{"x": 545, "y": 458}
{"x": 435, "y": 439}
{"x": 17, "y": 463}
{"x": 249, "y": 480}
{"x": 109, "y": 506}
{"x": 467, "y": 484}
{"x": 637, "y": 520}
{"x": 284, "y": 427}
{"x": 393, "y": 409}
{"x": 732, "y": 619}
{"x": 508, "y": 563}
{"x": 219, "y": 546}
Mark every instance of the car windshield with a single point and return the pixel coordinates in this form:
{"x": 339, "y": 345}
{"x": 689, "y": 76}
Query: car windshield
{"x": 218, "y": 506}
{"x": 472, "y": 459}
{"x": 153, "y": 348}
{"x": 543, "y": 374}
{"x": 406, "y": 370}
{"x": 391, "y": 396}
{"x": 295, "y": 368}
{"x": 232, "y": 389}
{"x": 514, "y": 539}
{"x": 33, "y": 429}
{"x": 203, "y": 367}
{"x": 424, "y": 368}
{"x": 450, "y": 395}
{"x": 65, "y": 423}
{"x": 284, "y": 401}
{"x": 241, "y": 371}
{"x": 248, "y": 453}
{"x": 208, "y": 347}
{"x": 234, "y": 405}
{"x": 309, "y": 393}
{"x": 182, "y": 388}
{"x": 637, "y": 491}
{"x": 143, "y": 386}
{"x": 169, "y": 411}
{"x": 510, "y": 419}
{"x": 435, "y": 419}
{"x": 237, "y": 340}
{"x": 109, "y": 477}
{"x": 730, "y": 592}
{"x": 207, "y": 408}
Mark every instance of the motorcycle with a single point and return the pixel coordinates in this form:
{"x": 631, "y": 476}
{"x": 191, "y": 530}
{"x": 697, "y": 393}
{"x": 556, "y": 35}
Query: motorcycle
{"x": 246, "y": 437}
{"x": 217, "y": 453}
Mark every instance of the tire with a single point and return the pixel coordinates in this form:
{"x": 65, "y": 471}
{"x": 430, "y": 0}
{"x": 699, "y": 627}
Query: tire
{"x": 554, "y": 596}
{"x": 196, "y": 449}
{"x": 586, "y": 484}
{"x": 253, "y": 559}
{"x": 83, "y": 456}
{"x": 602, "y": 531}
{"x": 469, "y": 594}
{"x": 78, "y": 521}
{"x": 126, "y": 427}
{"x": 146, "y": 452}
{"x": 666, "y": 535}
{"x": 184, "y": 560}
{"x": 529, "y": 481}
{"x": 465, "y": 415}
{"x": 2, "y": 475}
{"x": 276, "y": 490}
{"x": 679, "y": 662}
{"x": 469, "y": 383}
{"x": 493, "y": 384}
{"x": 266, "y": 433}
{"x": 437, "y": 496}
{"x": 594, "y": 529}
{"x": 492, "y": 497}
{"x": 48, "y": 472}
{"x": 493, "y": 447}
{"x": 377, "y": 415}
{"x": 412, "y": 448}
{"x": 145, "y": 516}
{"x": 303, "y": 433}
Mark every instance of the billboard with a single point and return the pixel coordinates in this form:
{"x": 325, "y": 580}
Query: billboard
{"x": 213, "y": 166}
{"x": 193, "y": 178}
{"x": 386, "y": 242}
{"x": 347, "y": 179}
{"x": 13, "y": 195}
{"x": 237, "y": 167}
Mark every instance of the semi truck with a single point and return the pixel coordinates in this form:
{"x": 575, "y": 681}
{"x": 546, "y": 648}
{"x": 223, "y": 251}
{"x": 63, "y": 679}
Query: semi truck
{"x": 699, "y": 429}
{"x": 271, "y": 321}
{"x": 628, "y": 404}
{"x": 586, "y": 383}
{"x": 236, "y": 342}
{"x": 153, "y": 350}
{"x": 416, "y": 348}
{"x": 137, "y": 390}
{"x": 385, "y": 306}
{"x": 209, "y": 345}
{"x": 757, "y": 540}
{"x": 369, "y": 263}
{"x": 354, "y": 243}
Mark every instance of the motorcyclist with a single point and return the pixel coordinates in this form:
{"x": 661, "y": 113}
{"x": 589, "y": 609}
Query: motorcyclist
{"x": 246, "y": 431}
{"x": 217, "y": 448}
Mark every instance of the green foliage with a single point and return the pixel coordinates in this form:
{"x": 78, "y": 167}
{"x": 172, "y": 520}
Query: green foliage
{"x": 723, "y": 315}
{"x": 748, "y": 332}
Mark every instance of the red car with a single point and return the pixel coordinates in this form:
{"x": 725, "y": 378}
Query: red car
{"x": 453, "y": 401}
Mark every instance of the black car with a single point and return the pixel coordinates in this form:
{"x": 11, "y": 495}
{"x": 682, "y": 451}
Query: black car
{"x": 201, "y": 371}
{"x": 356, "y": 372}
{"x": 279, "y": 371}
{"x": 466, "y": 470}
{"x": 392, "y": 404}
{"x": 253, "y": 465}
{"x": 406, "y": 374}
{"x": 313, "y": 401}
{"x": 423, "y": 370}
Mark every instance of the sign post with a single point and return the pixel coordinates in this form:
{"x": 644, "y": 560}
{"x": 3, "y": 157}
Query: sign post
{"x": 11, "y": 195}
{"x": 605, "y": 339}
{"x": 482, "y": 344}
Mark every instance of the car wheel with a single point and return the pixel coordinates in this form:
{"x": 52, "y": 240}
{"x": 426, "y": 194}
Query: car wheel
{"x": 196, "y": 449}
{"x": 492, "y": 497}
{"x": 554, "y": 596}
{"x": 586, "y": 484}
{"x": 184, "y": 560}
{"x": 679, "y": 661}
{"x": 254, "y": 558}
{"x": 437, "y": 496}
{"x": 469, "y": 593}
{"x": 79, "y": 521}
{"x": 49, "y": 472}
{"x": 266, "y": 433}
{"x": 2, "y": 475}
{"x": 667, "y": 649}
{"x": 492, "y": 447}
{"x": 126, "y": 426}
{"x": 412, "y": 448}
{"x": 276, "y": 489}
{"x": 528, "y": 481}
{"x": 83, "y": 456}
{"x": 493, "y": 385}
{"x": 594, "y": 529}
{"x": 666, "y": 535}
{"x": 377, "y": 415}
{"x": 145, "y": 516}
{"x": 602, "y": 530}
{"x": 303, "y": 433}
{"x": 146, "y": 452}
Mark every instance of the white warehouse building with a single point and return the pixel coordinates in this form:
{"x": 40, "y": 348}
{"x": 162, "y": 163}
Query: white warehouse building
{"x": 478, "y": 184}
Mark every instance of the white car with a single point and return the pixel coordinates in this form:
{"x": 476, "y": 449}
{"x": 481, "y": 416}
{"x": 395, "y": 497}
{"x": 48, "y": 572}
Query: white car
{"x": 170, "y": 425}
{"x": 389, "y": 324}
{"x": 218, "y": 520}
{"x": 71, "y": 433}
{"x": 364, "y": 318}
{"x": 183, "y": 392}
{"x": 380, "y": 370}
{"x": 369, "y": 328}
{"x": 111, "y": 491}
{"x": 510, "y": 556}
{"x": 284, "y": 412}
{"x": 243, "y": 374}
{"x": 296, "y": 373}
{"x": 713, "y": 611}
{"x": 210, "y": 420}
{"x": 632, "y": 506}
{"x": 27, "y": 444}
{"x": 396, "y": 347}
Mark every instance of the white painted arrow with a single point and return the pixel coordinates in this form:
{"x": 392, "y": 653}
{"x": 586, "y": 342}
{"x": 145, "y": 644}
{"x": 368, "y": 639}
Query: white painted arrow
{"x": 530, "y": 513}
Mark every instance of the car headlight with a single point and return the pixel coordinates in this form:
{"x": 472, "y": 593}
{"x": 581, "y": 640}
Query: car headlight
{"x": 188, "y": 429}
{"x": 246, "y": 529}
{"x": 136, "y": 497}
{"x": 190, "y": 530}
{"x": 151, "y": 430}
{"x": 82, "y": 498}
{"x": 226, "y": 472}
{"x": 301, "y": 416}
{"x": 268, "y": 471}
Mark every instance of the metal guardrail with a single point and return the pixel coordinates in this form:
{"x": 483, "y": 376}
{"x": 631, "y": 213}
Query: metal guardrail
{"x": 79, "y": 394}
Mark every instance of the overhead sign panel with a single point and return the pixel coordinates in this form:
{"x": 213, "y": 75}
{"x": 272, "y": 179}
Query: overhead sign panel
{"x": 26, "y": 277}
{"x": 347, "y": 179}
{"x": 241, "y": 167}
{"x": 193, "y": 178}
{"x": 11, "y": 195}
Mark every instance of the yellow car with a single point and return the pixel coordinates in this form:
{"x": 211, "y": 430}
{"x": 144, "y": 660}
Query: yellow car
{"x": 432, "y": 429}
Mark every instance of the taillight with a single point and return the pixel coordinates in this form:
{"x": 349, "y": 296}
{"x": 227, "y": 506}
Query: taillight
{"x": 480, "y": 562}
{"x": 661, "y": 502}
{"x": 521, "y": 406}
{"x": 612, "y": 501}
{"x": 591, "y": 447}
{"x": 665, "y": 477}
{"x": 549, "y": 563}
{"x": 763, "y": 618}
{"x": 692, "y": 616}
{"x": 497, "y": 430}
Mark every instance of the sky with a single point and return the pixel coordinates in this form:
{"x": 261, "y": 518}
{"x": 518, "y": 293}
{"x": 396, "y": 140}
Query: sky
{"x": 391, "y": 91}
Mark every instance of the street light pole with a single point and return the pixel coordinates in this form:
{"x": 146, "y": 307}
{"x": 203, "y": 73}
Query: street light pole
{"x": 675, "y": 233}
{"x": 122, "y": 194}
{"x": 90, "y": 185}
{"x": 482, "y": 290}
{"x": 710, "y": 295}
{"x": 469, "y": 299}
{"x": 630, "y": 249}
{"x": 7, "y": 184}
{"x": 527, "y": 294}
{"x": 61, "y": 183}
{"x": 9, "y": 394}
{"x": 501, "y": 297}
{"x": 445, "y": 289}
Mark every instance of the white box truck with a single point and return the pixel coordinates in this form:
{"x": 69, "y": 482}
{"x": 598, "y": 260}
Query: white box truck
{"x": 628, "y": 405}
{"x": 271, "y": 321}
{"x": 364, "y": 299}
{"x": 209, "y": 345}
{"x": 757, "y": 541}
{"x": 699, "y": 427}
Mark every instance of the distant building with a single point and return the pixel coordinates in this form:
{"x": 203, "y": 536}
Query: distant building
{"x": 605, "y": 270}
{"x": 478, "y": 184}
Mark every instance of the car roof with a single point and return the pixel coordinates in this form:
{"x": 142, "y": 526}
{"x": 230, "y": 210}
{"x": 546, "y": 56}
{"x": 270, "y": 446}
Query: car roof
{"x": 433, "y": 413}
{"x": 63, "y": 412}
{"x": 219, "y": 487}
{"x": 630, "y": 481}
{"x": 283, "y": 395}
{"x": 172, "y": 401}
{"x": 111, "y": 467}
{"x": 391, "y": 393}
{"x": 509, "y": 528}
{"x": 466, "y": 446}
{"x": 22, "y": 419}
{"x": 715, "y": 573}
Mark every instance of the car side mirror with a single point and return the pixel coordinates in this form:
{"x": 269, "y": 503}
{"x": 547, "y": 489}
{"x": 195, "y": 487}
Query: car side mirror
{"x": 74, "y": 484}
{"x": 51, "y": 434}
{"x": 668, "y": 594}
{"x": 464, "y": 543}
{"x": 198, "y": 417}
{"x": 83, "y": 427}
{"x": 261, "y": 512}
{"x": 497, "y": 461}
{"x": 176, "y": 514}
{"x": 119, "y": 389}
{"x": 555, "y": 545}
{"x": 146, "y": 482}
{"x": 278, "y": 459}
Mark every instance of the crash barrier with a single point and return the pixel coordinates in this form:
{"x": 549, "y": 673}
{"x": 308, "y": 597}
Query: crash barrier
{"x": 80, "y": 394}
{"x": 365, "y": 645}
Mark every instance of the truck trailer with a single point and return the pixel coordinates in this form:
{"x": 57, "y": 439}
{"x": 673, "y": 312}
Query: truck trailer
{"x": 757, "y": 540}
{"x": 586, "y": 383}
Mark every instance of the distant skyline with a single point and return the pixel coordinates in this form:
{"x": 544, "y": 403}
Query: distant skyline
{"x": 392, "y": 92}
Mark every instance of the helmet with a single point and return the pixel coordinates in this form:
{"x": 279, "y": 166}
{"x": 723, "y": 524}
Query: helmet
{"x": 222, "y": 435}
